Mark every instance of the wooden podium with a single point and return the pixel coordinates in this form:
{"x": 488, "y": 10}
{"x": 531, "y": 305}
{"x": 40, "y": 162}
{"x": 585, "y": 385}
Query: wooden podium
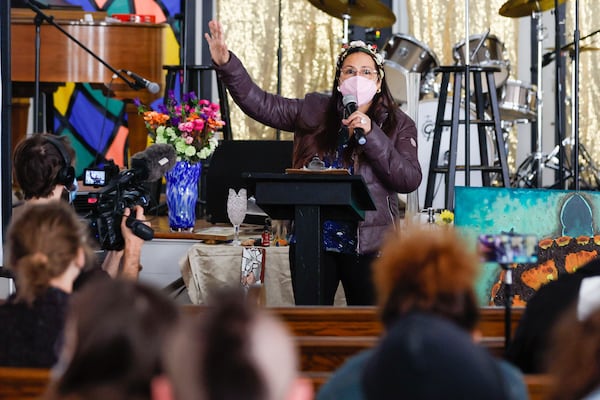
{"x": 310, "y": 199}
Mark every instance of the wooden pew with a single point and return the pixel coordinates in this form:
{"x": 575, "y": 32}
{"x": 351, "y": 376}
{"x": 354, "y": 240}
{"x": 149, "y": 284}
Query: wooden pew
{"x": 31, "y": 383}
{"x": 538, "y": 386}
{"x": 362, "y": 321}
{"x": 23, "y": 383}
{"x": 327, "y": 336}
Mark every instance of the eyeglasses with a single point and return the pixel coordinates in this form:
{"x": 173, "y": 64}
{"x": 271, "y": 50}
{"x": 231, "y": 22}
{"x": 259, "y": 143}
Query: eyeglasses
{"x": 368, "y": 73}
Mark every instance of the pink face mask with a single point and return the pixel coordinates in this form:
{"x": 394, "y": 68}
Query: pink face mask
{"x": 362, "y": 88}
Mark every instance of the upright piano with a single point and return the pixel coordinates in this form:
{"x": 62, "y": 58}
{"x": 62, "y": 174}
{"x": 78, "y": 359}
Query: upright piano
{"x": 136, "y": 47}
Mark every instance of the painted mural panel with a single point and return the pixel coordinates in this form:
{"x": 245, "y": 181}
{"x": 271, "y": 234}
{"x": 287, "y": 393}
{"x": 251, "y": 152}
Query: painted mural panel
{"x": 566, "y": 223}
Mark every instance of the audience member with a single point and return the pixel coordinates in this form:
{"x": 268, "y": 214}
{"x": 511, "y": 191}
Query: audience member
{"x": 530, "y": 343}
{"x": 573, "y": 347}
{"x": 114, "y": 334}
{"x": 235, "y": 351}
{"x": 427, "y": 357}
{"x": 43, "y": 169}
{"x": 422, "y": 271}
{"x": 46, "y": 246}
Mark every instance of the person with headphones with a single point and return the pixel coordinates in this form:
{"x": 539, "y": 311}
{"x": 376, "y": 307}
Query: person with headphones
{"x": 42, "y": 167}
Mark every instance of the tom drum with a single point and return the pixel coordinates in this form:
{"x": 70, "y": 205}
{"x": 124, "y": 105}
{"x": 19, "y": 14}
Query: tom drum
{"x": 491, "y": 53}
{"x": 404, "y": 54}
{"x": 518, "y": 101}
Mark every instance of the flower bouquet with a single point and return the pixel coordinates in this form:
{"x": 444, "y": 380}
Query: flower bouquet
{"x": 190, "y": 127}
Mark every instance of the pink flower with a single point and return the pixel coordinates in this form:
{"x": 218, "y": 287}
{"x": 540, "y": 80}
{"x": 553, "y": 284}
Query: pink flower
{"x": 198, "y": 124}
{"x": 186, "y": 127}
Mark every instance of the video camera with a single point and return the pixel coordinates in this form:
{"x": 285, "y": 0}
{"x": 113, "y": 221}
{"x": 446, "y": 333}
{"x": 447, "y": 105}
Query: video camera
{"x": 99, "y": 177}
{"x": 126, "y": 190}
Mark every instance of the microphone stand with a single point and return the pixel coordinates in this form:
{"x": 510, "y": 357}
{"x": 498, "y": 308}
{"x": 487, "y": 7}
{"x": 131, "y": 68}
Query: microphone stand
{"x": 576, "y": 100}
{"x": 467, "y": 98}
{"x": 559, "y": 87}
{"x": 507, "y": 304}
{"x": 39, "y": 18}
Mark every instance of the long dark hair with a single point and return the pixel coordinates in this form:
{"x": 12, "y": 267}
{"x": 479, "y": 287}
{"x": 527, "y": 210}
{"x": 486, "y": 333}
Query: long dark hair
{"x": 117, "y": 329}
{"x": 324, "y": 140}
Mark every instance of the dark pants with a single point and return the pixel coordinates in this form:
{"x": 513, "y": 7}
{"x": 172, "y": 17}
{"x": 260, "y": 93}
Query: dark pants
{"x": 353, "y": 270}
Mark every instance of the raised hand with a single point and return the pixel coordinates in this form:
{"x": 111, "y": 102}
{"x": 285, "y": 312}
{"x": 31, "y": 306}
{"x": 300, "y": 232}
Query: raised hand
{"x": 216, "y": 43}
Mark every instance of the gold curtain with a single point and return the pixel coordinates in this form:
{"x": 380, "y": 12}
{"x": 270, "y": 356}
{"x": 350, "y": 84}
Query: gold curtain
{"x": 441, "y": 26}
{"x": 310, "y": 41}
{"x": 589, "y": 85}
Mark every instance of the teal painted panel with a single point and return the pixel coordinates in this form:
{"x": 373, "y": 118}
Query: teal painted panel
{"x": 548, "y": 214}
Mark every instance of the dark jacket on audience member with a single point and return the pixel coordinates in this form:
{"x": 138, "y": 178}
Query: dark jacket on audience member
{"x": 528, "y": 348}
{"x": 31, "y": 336}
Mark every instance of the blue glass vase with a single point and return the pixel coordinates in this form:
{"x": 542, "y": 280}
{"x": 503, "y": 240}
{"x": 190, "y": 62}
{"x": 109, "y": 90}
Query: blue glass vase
{"x": 182, "y": 194}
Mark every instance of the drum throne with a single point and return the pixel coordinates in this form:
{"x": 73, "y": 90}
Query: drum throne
{"x": 491, "y": 167}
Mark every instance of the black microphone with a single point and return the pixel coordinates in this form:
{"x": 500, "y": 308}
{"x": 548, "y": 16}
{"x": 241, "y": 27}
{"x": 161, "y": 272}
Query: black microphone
{"x": 140, "y": 82}
{"x": 350, "y": 105}
{"x": 152, "y": 163}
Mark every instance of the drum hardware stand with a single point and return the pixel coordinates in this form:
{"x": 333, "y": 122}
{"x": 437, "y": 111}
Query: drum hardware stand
{"x": 532, "y": 167}
{"x": 483, "y": 38}
{"x": 346, "y": 19}
{"x": 575, "y": 120}
{"x": 572, "y": 169}
{"x": 538, "y": 155}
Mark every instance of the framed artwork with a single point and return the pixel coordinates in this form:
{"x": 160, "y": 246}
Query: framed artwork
{"x": 566, "y": 224}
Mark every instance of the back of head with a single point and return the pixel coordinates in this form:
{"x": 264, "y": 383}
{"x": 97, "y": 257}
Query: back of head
{"x": 235, "y": 351}
{"x": 42, "y": 241}
{"x": 425, "y": 357}
{"x": 574, "y": 345}
{"x": 40, "y": 162}
{"x": 115, "y": 332}
{"x": 429, "y": 270}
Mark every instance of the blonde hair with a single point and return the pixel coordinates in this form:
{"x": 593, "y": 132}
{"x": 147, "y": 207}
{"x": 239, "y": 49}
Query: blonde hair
{"x": 430, "y": 270}
{"x": 43, "y": 239}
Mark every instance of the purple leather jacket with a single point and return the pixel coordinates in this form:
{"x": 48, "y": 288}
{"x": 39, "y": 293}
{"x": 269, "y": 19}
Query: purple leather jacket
{"x": 388, "y": 164}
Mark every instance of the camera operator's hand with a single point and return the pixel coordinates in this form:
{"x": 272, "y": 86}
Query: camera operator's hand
{"x": 111, "y": 262}
{"x": 131, "y": 266}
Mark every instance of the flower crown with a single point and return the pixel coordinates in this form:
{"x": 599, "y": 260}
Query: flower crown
{"x": 359, "y": 45}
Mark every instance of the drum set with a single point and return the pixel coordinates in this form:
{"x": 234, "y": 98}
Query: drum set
{"x": 517, "y": 101}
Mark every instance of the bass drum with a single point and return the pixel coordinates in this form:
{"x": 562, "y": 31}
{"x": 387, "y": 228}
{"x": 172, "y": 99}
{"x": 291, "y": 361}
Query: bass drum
{"x": 425, "y": 127}
{"x": 404, "y": 54}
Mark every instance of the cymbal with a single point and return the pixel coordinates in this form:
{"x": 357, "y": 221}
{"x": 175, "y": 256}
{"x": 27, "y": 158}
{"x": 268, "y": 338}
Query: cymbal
{"x": 523, "y": 8}
{"x": 365, "y": 13}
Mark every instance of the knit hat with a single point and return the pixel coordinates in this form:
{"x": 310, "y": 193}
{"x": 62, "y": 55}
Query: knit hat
{"x": 425, "y": 357}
